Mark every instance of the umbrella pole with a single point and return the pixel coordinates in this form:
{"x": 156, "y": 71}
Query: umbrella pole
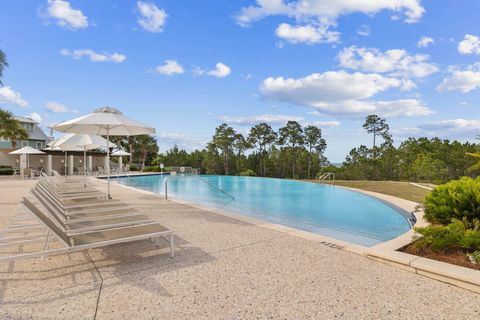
{"x": 108, "y": 162}
{"x": 65, "y": 165}
{"x": 84, "y": 166}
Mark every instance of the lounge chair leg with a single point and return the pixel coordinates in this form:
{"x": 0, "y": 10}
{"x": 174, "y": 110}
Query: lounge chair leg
{"x": 172, "y": 246}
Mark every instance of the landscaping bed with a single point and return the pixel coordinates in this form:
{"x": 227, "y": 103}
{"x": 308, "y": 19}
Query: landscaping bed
{"x": 457, "y": 257}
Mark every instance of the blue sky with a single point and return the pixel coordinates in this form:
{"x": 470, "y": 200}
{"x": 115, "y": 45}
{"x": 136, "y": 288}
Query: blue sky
{"x": 185, "y": 67}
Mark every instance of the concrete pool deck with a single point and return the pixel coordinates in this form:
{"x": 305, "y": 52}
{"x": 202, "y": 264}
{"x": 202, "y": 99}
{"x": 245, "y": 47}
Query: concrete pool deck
{"x": 224, "y": 268}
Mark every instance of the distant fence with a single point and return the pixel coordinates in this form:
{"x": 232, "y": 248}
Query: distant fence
{"x": 186, "y": 170}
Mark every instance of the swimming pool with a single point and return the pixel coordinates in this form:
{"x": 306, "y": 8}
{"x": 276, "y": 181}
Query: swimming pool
{"x": 332, "y": 211}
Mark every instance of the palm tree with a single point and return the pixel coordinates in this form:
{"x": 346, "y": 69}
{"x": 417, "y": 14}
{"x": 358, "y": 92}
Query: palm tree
{"x": 3, "y": 64}
{"x": 11, "y": 128}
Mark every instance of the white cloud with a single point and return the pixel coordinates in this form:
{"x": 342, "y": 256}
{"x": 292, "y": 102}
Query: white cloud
{"x": 327, "y": 10}
{"x": 323, "y": 124}
{"x": 8, "y": 96}
{"x": 94, "y": 56}
{"x": 35, "y": 117}
{"x": 274, "y": 119}
{"x": 318, "y": 16}
{"x": 469, "y": 45}
{"x": 393, "y": 108}
{"x": 396, "y": 62}
{"x": 425, "y": 42}
{"x": 152, "y": 18}
{"x": 308, "y": 34}
{"x": 170, "y": 67}
{"x": 65, "y": 15}
{"x": 364, "y": 30}
{"x": 462, "y": 80}
{"x": 169, "y": 139}
{"x": 57, "y": 107}
{"x": 452, "y": 127}
{"x": 221, "y": 71}
{"x": 343, "y": 93}
{"x": 330, "y": 86}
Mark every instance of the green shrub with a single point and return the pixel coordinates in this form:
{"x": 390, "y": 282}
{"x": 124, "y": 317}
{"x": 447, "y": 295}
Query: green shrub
{"x": 457, "y": 199}
{"x": 151, "y": 169}
{"x": 247, "y": 173}
{"x": 133, "y": 168}
{"x": 453, "y": 236}
{"x": 5, "y": 171}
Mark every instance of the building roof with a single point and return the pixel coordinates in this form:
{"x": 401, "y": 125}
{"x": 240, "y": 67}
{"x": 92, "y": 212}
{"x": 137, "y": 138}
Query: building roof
{"x": 24, "y": 119}
{"x": 37, "y": 134}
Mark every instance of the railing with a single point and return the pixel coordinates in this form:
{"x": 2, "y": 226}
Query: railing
{"x": 210, "y": 184}
{"x": 330, "y": 176}
{"x": 217, "y": 188}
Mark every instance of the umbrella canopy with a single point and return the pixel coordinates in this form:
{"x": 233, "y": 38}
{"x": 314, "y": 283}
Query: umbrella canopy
{"x": 120, "y": 153}
{"x": 27, "y": 150}
{"x": 106, "y": 122}
{"x": 78, "y": 142}
{"x": 73, "y": 141}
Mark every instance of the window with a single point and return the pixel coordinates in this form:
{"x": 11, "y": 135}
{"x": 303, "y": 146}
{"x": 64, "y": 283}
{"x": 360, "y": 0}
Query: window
{"x": 3, "y": 139}
{"x": 28, "y": 126}
{"x": 39, "y": 145}
{"x": 24, "y": 144}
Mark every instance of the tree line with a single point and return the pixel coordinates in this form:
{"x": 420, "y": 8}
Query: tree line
{"x": 293, "y": 151}
{"x": 297, "y": 152}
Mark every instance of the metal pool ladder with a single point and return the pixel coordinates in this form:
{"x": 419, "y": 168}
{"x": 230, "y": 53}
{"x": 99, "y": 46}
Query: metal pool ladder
{"x": 210, "y": 184}
{"x": 330, "y": 176}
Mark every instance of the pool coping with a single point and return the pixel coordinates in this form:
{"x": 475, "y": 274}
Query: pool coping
{"x": 384, "y": 252}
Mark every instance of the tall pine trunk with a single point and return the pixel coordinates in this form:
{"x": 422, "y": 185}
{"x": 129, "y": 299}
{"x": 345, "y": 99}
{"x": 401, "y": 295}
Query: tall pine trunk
{"x": 309, "y": 163}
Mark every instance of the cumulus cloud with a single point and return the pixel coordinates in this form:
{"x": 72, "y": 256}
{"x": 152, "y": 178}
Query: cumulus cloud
{"x": 330, "y": 86}
{"x": 94, "y": 56}
{"x": 151, "y": 18}
{"x": 425, "y": 42}
{"x": 469, "y": 45}
{"x": 170, "y": 67}
{"x": 221, "y": 71}
{"x": 65, "y": 15}
{"x": 308, "y": 34}
{"x": 396, "y": 62}
{"x": 318, "y": 16}
{"x": 343, "y": 93}
{"x": 461, "y": 80}
{"x": 8, "y": 96}
{"x": 169, "y": 139}
{"x": 253, "y": 120}
{"x": 57, "y": 107}
{"x": 327, "y": 9}
{"x": 35, "y": 117}
{"x": 451, "y": 127}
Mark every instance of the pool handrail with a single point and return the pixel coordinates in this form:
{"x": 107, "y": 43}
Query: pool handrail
{"x": 210, "y": 184}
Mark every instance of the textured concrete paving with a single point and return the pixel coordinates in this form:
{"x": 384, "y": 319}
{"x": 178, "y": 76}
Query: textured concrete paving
{"x": 224, "y": 269}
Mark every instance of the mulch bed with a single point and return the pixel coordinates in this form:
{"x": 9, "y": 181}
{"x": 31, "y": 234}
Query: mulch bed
{"x": 458, "y": 257}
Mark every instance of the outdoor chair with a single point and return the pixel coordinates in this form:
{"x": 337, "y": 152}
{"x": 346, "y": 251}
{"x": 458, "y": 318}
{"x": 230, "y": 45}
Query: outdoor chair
{"x": 81, "y": 241}
{"x": 92, "y": 221}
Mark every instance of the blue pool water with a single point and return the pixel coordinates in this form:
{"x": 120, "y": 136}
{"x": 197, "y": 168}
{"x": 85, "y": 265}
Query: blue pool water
{"x": 332, "y": 211}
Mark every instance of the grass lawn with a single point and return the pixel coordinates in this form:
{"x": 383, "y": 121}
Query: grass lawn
{"x": 402, "y": 190}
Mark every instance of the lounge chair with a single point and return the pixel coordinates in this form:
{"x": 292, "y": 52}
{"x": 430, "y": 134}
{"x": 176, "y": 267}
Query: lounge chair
{"x": 92, "y": 221}
{"x": 83, "y": 241}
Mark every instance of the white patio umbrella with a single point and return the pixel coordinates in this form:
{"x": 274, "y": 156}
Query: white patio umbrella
{"x": 26, "y": 151}
{"x": 106, "y": 122}
{"x": 79, "y": 142}
{"x": 120, "y": 153}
